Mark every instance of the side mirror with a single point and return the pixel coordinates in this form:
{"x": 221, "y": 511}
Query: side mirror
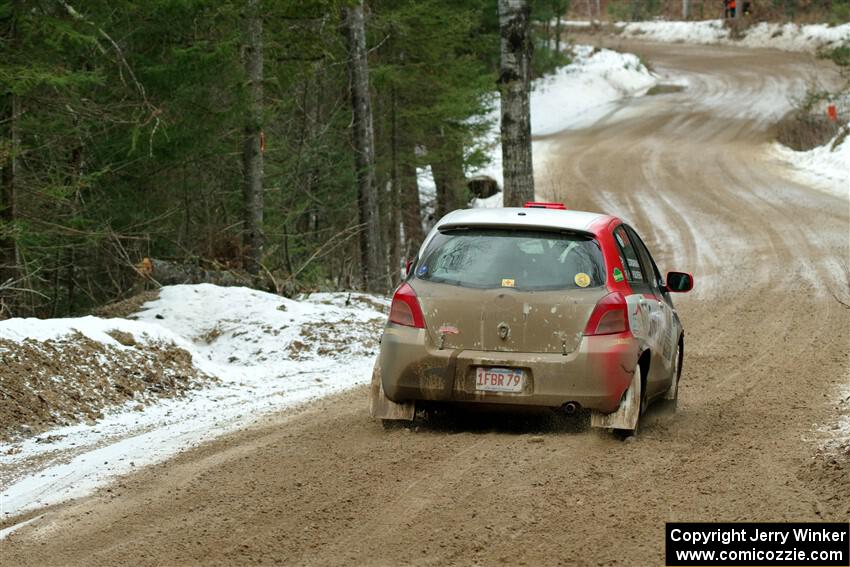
{"x": 407, "y": 268}
{"x": 679, "y": 282}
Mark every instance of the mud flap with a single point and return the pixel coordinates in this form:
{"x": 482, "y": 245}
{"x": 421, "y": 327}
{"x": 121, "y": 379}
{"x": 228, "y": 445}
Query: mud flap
{"x": 672, "y": 392}
{"x": 381, "y": 407}
{"x": 626, "y": 416}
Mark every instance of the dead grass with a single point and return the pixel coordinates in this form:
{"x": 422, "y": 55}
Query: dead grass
{"x": 664, "y": 89}
{"x": 123, "y": 337}
{"x": 801, "y": 130}
{"x": 126, "y": 307}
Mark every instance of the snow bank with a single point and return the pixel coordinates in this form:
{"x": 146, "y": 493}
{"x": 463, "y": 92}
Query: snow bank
{"x": 575, "y": 96}
{"x": 267, "y": 353}
{"x": 596, "y": 77}
{"x": 825, "y": 167}
{"x": 242, "y": 331}
{"x": 787, "y": 37}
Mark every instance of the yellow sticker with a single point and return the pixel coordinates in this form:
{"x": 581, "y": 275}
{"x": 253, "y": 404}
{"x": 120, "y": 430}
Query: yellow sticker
{"x": 508, "y": 283}
{"x": 582, "y": 279}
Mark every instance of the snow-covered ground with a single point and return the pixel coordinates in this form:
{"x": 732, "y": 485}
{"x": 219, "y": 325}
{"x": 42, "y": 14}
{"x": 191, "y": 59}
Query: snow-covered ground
{"x": 574, "y": 96}
{"x": 267, "y": 352}
{"x": 787, "y": 37}
{"x": 825, "y": 167}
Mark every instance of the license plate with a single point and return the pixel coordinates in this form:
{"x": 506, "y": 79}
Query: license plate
{"x": 499, "y": 379}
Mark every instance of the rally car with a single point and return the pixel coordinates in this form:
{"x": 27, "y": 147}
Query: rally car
{"x": 532, "y": 307}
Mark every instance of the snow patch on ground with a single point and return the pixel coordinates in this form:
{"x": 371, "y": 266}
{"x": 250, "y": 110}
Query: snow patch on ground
{"x": 787, "y": 37}
{"x": 572, "y": 96}
{"x": 825, "y": 167}
{"x": 835, "y": 437}
{"x": 95, "y": 328}
{"x": 268, "y": 353}
{"x": 575, "y": 96}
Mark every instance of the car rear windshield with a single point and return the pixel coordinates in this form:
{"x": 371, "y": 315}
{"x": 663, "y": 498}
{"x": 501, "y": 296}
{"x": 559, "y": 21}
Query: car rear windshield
{"x": 521, "y": 259}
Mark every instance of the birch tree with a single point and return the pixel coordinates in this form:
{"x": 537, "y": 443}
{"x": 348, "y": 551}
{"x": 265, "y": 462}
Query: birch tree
{"x": 252, "y": 150}
{"x": 371, "y": 243}
{"x": 514, "y": 84}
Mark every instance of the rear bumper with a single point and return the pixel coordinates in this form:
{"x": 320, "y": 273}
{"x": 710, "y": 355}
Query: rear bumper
{"x": 595, "y": 375}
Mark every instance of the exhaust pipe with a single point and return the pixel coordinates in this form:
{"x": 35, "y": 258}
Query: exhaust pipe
{"x": 570, "y": 408}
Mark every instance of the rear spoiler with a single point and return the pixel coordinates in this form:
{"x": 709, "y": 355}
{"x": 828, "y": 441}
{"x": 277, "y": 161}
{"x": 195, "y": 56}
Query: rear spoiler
{"x": 448, "y": 227}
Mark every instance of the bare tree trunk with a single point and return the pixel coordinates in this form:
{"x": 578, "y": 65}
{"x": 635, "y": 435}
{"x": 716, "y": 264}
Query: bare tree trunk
{"x": 739, "y": 9}
{"x": 9, "y": 268}
{"x": 9, "y": 148}
{"x": 686, "y": 9}
{"x": 558, "y": 32}
{"x": 449, "y": 176}
{"x": 411, "y": 216}
{"x": 598, "y": 9}
{"x": 514, "y": 85}
{"x": 73, "y": 180}
{"x": 371, "y": 245}
{"x": 253, "y": 239}
{"x": 395, "y": 196}
{"x": 636, "y": 10}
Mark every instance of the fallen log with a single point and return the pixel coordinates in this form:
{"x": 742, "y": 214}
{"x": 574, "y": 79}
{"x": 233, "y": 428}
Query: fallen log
{"x": 165, "y": 272}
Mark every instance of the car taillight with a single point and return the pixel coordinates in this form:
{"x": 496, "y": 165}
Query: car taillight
{"x": 405, "y": 308}
{"x": 610, "y": 316}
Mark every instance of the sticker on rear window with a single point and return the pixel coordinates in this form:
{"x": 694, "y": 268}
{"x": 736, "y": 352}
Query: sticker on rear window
{"x": 421, "y": 270}
{"x": 618, "y": 275}
{"x": 508, "y": 283}
{"x": 582, "y": 279}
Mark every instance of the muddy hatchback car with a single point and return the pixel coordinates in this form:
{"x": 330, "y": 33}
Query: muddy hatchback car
{"x": 532, "y": 307}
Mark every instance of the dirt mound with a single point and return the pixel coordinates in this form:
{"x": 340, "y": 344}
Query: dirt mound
{"x": 347, "y": 338}
{"x": 126, "y": 307}
{"x": 57, "y": 382}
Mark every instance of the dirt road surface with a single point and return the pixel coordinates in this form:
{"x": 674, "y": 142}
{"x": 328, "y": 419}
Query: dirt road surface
{"x": 766, "y": 349}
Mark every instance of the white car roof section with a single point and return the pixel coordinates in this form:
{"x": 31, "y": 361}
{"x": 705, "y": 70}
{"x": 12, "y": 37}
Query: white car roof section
{"x": 521, "y": 217}
{"x": 515, "y": 217}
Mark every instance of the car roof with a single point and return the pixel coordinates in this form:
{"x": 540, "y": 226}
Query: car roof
{"x": 517, "y": 217}
{"x": 581, "y": 221}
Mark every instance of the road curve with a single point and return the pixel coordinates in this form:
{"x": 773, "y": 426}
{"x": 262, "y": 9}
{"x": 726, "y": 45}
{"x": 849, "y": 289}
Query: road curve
{"x": 766, "y": 351}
